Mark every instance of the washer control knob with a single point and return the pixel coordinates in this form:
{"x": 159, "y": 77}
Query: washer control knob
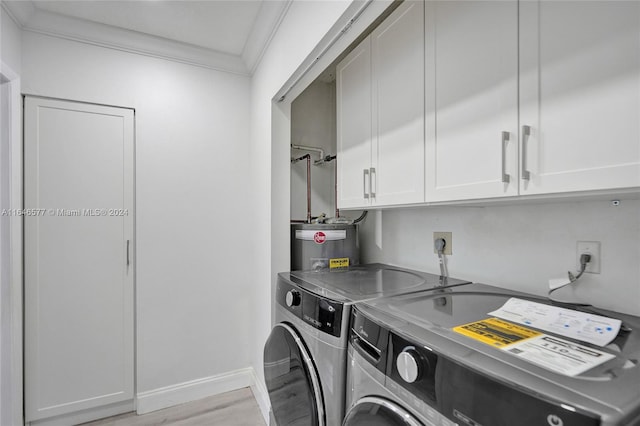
{"x": 292, "y": 298}
{"x": 408, "y": 365}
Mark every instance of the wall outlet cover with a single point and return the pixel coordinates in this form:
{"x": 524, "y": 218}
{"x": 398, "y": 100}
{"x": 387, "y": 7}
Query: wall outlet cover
{"x": 592, "y": 248}
{"x": 448, "y": 237}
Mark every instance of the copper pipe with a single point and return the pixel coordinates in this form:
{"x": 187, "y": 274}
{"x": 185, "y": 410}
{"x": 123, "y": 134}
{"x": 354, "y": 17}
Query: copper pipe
{"x": 335, "y": 189}
{"x": 308, "y": 158}
{"x": 320, "y": 151}
{"x": 308, "y": 188}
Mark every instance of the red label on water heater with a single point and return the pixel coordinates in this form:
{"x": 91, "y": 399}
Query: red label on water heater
{"x": 319, "y": 237}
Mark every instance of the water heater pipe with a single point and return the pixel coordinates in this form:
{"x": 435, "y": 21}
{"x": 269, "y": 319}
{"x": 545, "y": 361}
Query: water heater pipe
{"x": 308, "y": 188}
{"x": 308, "y": 158}
{"x": 320, "y": 151}
{"x": 335, "y": 189}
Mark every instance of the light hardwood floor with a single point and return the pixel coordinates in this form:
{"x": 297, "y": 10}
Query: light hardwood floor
{"x": 237, "y": 408}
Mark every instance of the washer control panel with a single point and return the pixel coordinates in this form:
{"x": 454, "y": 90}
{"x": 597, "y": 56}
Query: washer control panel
{"x": 317, "y": 311}
{"x": 414, "y": 368}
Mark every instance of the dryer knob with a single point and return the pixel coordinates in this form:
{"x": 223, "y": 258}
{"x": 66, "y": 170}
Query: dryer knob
{"x": 408, "y": 365}
{"x": 292, "y": 298}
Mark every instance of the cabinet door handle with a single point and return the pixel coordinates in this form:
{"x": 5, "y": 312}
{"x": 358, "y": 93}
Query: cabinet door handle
{"x": 128, "y": 261}
{"x": 364, "y": 183}
{"x": 372, "y": 180}
{"x": 505, "y": 140}
{"x": 526, "y": 132}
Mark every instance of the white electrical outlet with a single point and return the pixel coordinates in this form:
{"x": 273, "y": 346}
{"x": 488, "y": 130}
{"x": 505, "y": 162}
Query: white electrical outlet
{"x": 592, "y": 248}
{"x": 448, "y": 238}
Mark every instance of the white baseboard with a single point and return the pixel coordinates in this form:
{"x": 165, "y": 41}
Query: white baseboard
{"x": 85, "y": 415}
{"x": 169, "y": 396}
{"x": 261, "y": 395}
{"x": 181, "y": 393}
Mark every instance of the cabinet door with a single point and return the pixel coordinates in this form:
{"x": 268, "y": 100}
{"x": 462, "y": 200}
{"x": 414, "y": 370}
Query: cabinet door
{"x": 471, "y": 99}
{"x": 353, "y": 87}
{"x": 397, "y": 48}
{"x": 78, "y": 257}
{"x": 580, "y": 95}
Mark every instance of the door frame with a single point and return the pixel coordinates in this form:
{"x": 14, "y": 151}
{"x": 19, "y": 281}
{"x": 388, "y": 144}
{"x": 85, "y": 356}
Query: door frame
{"x": 15, "y": 243}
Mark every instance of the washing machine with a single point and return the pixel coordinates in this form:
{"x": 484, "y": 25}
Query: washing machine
{"x": 306, "y": 353}
{"x": 478, "y": 355}
{"x": 372, "y": 397}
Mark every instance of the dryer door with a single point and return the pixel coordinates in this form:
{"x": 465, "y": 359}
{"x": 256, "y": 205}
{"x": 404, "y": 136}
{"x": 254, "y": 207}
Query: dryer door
{"x": 375, "y": 411}
{"x": 292, "y": 379}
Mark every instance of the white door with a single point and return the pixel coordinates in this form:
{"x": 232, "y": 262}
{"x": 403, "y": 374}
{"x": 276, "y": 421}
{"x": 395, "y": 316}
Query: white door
{"x": 471, "y": 99}
{"x": 580, "y": 95}
{"x": 78, "y": 256}
{"x": 353, "y": 87}
{"x": 397, "y": 49}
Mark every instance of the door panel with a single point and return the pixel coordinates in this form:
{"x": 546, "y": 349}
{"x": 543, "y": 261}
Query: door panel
{"x": 292, "y": 380}
{"x": 78, "y": 279}
{"x": 580, "y": 95}
{"x": 472, "y": 98}
{"x": 397, "y": 49}
{"x": 376, "y": 411}
{"x": 353, "y": 86}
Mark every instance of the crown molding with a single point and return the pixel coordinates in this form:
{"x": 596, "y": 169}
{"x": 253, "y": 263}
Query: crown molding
{"x": 19, "y": 11}
{"x": 56, "y": 25}
{"x": 269, "y": 18}
{"x": 35, "y": 20}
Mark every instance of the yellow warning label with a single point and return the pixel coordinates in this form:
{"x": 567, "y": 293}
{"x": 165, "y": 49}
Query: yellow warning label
{"x": 496, "y": 332}
{"x": 340, "y": 262}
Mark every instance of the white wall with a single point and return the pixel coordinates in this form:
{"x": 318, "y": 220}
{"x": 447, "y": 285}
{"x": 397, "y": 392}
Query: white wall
{"x": 10, "y": 384}
{"x": 194, "y": 200}
{"x": 313, "y": 123}
{"x": 519, "y": 246}
{"x": 10, "y": 41}
{"x": 304, "y": 25}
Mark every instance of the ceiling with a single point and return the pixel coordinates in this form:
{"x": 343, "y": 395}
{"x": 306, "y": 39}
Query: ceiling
{"x": 223, "y": 29}
{"x": 218, "y": 25}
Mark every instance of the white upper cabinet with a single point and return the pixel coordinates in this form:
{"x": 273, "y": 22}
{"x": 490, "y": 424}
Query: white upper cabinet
{"x": 397, "y": 48}
{"x": 471, "y": 99}
{"x": 520, "y": 98}
{"x": 580, "y": 95}
{"x": 353, "y": 87}
{"x": 380, "y": 106}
